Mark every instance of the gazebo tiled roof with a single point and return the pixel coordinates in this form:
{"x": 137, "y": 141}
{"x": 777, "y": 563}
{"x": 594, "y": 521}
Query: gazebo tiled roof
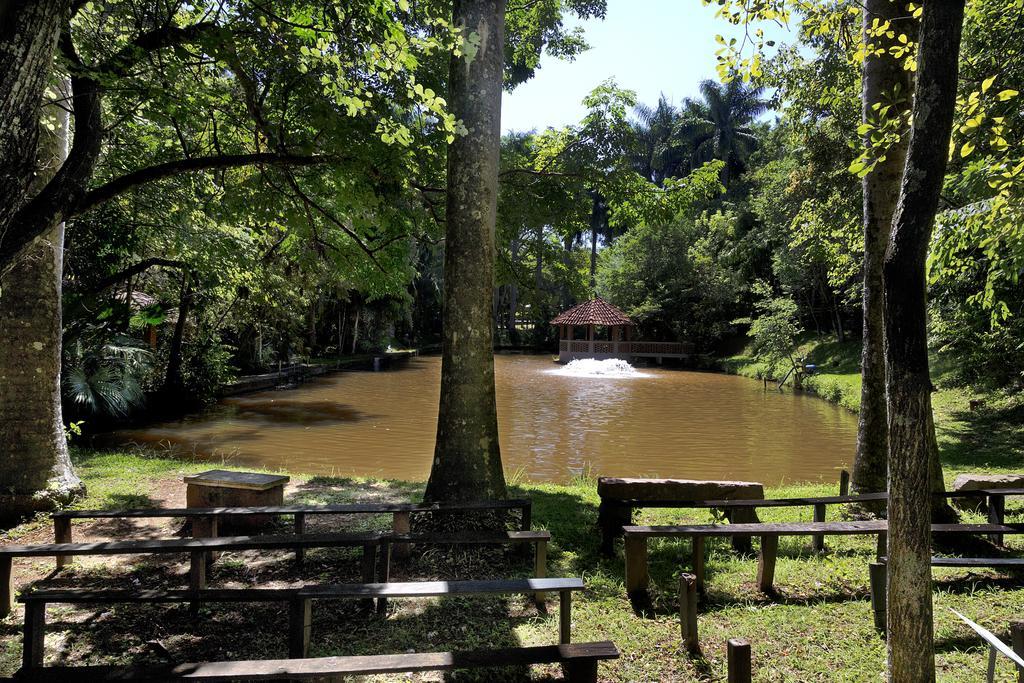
{"x": 597, "y": 311}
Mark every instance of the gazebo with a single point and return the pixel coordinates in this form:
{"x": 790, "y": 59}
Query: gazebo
{"x": 597, "y": 329}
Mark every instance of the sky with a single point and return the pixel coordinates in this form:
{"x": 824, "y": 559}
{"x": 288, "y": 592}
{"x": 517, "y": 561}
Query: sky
{"x": 650, "y": 46}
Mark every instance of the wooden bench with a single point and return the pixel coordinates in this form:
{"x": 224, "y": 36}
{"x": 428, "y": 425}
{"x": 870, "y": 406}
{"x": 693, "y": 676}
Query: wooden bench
{"x": 299, "y": 600}
{"x": 578, "y": 660}
{"x": 205, "y": 520}
{"x": 996, "y": 499}
{"x": 637, "y": 575}
{"x": 877, "y": 576}
{"x": 200, "y": 548}
{"x": 197, "y": 548}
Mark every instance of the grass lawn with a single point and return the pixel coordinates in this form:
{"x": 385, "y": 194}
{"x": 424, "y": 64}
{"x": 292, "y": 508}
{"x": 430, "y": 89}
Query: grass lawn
{"x": 818, "y": 628}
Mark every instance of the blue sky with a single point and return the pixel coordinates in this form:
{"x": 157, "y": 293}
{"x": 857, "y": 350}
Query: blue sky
{"x": 650, "y": 46}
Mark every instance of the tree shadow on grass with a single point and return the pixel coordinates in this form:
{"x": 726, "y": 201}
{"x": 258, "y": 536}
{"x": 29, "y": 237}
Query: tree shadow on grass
{"x": 991, "y": 436}
{"x": 161, "y": 633}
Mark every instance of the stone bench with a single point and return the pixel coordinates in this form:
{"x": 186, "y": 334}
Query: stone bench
{"x": 225, "y": 488}
{"x": 620, "y": 496}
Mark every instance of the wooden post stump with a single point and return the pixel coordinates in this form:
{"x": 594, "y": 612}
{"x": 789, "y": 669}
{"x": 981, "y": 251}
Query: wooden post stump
{"x": 300, "y": 623}
{"x": 6, "y": 585}
{"x": 540, "y": 568}
{"x": 612, "y": 515}
{"x": 581, "y": 671}
{"x": 766, "y": 564}
{"x": 1017, "y": 640}
{"x": 818, "y": 540}
{"x": 738, "y": 656}
{"x": 300, "y": 528}
{"x": 368, "y": 566}
{"x": 698, "y": 562}
{"x": 877, "y": 576}
{"x": 996, "y": 515}
{"x": 35, "y": 632}
{"x": 564, "y": 617}
{"x": 401, "y": 524}
{"x": 206, "y": 527}
{"x": 637, "y": 577}
{"x": 688, "y": 613}
{"x": 844, "y": 483}
{"x": 61, "y": 534}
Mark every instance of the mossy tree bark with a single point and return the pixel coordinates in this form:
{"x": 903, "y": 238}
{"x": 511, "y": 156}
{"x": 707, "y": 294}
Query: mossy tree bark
{"x": 884, "y": 82}
{"x": 467, "y": 457}
{"x": 913, "y": 461}
{"x": 35, "y": 467}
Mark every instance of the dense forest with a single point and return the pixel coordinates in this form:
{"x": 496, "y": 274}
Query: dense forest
{"x": 696, "y": 217}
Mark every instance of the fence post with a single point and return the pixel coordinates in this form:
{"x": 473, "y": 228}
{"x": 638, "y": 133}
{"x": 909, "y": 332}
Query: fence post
{"x": 844, "y": 483}
{"x": 738, "y": 656}
{"x": 688, "y": 612}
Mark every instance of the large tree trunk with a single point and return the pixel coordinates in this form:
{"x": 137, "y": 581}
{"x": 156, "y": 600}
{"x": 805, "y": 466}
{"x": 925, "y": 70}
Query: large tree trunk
{"x": 28, "y": 38}
{"x": 467, "y": 457}
{"x": 35, "y": 468}
{"x": 912, "y": 448}
{"x": 883, "y": 78}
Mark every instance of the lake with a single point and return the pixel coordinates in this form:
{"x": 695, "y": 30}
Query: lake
{"x": 667, "y": 423}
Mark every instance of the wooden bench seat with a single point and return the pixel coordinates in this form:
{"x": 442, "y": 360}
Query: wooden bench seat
{"x": 996, "y": 508}
{"x": 298, "y": 598}
{"x": 205, "y": 520}
{"x": 877, "y": 576}
{"x": 579, "y": 660}
{"x": 199, "y": 550}
{"x": 637, "y": 576}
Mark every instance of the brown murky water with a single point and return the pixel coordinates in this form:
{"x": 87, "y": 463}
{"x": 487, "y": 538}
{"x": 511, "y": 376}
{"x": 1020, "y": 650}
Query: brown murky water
{"x": 668, "y": 423}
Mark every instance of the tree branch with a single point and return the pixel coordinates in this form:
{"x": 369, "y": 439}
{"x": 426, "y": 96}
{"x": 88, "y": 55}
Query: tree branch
{"x": 128, "y": 181}
{"x": 135, "y": 269}
{"x": 167, "y": 36}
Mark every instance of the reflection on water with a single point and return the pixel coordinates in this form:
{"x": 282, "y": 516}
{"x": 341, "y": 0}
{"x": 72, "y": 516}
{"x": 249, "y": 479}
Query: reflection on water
{"x": 672, "y": 424}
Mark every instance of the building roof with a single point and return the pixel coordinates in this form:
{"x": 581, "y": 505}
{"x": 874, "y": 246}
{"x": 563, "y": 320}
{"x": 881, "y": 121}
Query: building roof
{"x": 597, "y": 311}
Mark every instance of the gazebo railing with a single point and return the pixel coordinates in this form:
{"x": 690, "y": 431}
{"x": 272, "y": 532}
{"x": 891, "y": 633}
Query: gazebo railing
{"x": 630, "y": 348}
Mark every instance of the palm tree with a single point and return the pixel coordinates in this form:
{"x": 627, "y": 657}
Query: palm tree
{"x": 659, "y": 152}
{"x": 718, "y": 125}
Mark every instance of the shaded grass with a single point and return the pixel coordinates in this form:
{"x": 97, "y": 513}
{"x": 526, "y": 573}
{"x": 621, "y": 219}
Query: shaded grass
{"x": 818, "y": 627}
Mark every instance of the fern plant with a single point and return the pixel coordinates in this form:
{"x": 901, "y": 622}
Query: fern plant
{"x": 106, "y": 379}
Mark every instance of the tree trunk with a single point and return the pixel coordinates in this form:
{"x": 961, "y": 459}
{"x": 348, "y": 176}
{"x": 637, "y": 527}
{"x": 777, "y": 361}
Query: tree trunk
{"x": 598, "y": 225}
{"x": 28, "y": 39}
{"x": 342, "y": 319}
{"x": 885, "y": 81}
{"x": 513, "y": 295}
{"x": 35, "y": 467}
{"x": 467, "y": 456}
{"x": 355, "y": 328}
{"x": 173, "y": 383}
{"x": 912, "y": 448}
